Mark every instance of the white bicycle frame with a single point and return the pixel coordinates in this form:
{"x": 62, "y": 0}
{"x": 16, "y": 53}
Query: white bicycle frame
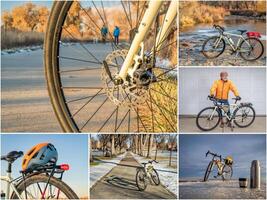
{"x": 232, "y": 108}
{"x": 226, "y": 35}
{"x": 137, "y": 44}
{"x": 11, "y": 184}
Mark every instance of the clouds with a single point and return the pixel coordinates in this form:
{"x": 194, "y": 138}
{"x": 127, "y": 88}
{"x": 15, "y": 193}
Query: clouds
{"x": 243, "y": 148}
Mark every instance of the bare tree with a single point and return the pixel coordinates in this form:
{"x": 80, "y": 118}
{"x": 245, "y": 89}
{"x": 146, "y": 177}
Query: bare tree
{"x": 172, "y": 141}
{"x": 150, "y": 145}
{"x": 91, "y": 153}
{"x": 104, "y": 139}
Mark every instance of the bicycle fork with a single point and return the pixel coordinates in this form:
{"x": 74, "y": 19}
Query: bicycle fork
{"x": 148, "y": 18}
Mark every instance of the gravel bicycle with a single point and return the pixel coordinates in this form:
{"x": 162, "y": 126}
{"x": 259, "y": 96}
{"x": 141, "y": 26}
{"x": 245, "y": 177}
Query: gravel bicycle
{"x": 250, "y": 48}
{"x": 224, "y": 166}
{"x": 97, "y": 87}
{"x": 146, "y": 174}
{"x": 39, "y": 184}
{"x": 242, "y": 115}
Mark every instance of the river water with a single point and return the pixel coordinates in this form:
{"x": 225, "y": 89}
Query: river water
{"x": 192, "y": 38}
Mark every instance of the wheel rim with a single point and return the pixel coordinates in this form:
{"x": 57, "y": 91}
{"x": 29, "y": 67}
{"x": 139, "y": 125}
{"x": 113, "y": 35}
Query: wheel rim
{"x": 83, "y": 89}
{"x": 227, "y": 172}
{"x": 244, "y": 116}
{"x": 37, "y": 191}
{"x": 251, "y": 51}
{"x": 211, "y": 50}
{"x": 155, "y": 177}
{"x": 208, "y": 119}
{"x": 141, "y": 182}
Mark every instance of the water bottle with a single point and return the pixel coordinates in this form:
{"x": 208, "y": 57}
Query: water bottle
{"x": 255, "y": 174}
{"x": 231, "y": 41}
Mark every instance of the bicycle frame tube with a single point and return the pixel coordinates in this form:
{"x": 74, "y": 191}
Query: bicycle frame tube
{"x": 241, "y": 38}
{"x": 148, "y": 18}
{"x": 8, "y": 179}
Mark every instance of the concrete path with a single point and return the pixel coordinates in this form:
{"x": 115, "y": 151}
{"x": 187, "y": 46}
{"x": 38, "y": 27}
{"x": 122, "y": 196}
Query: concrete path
{"x": 189, "y": 125}
{"x": 218, "y": 189}
{"x": 120, "y": 183}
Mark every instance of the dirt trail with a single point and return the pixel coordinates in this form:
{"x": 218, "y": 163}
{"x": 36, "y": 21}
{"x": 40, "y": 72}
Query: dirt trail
{"x": 120, "y": 183}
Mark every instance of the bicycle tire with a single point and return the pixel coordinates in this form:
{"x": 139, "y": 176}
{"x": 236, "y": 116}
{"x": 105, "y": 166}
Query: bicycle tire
{"x": 57, "y": 16}
{"x": 137, "y": 180}
{"x": 41, "y": 178}
{"x": 253, "y": 118}
{"x": 231, "y": 169}
{"x": 157, "y": 180}
{"x": 208, "y": 170}
{"x": 205, "y": 43}
{"x": 199, "y": 115}
{"x": 242, "y": 54}
{"x": 59, "y": 99}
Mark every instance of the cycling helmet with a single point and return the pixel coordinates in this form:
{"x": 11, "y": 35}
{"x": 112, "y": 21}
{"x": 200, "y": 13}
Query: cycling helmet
{"x": 229, "y": 160}
{"x": 39, "y": 155}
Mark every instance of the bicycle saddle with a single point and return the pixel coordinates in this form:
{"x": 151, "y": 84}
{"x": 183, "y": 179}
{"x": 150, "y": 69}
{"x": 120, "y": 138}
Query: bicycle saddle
{"x": 242, "y": 31}
{"x": 12, "y": 156}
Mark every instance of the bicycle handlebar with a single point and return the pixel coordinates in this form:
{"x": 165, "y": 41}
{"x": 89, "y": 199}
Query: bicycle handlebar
{"x": 218, "y": 27}
{"x": 151, "y": 161}
{"x": 215, "y": 99}
{"x": 214, "y": 155}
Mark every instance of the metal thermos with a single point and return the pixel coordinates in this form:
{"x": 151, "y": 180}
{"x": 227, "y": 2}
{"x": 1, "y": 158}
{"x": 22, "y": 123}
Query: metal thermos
{"x": 255, "y": 174}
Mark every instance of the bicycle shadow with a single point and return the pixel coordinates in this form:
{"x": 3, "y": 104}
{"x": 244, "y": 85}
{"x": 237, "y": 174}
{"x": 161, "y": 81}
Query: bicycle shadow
{"x": 121, "y": 182}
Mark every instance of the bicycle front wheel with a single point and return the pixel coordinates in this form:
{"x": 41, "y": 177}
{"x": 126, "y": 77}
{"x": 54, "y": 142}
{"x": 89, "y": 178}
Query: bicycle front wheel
{"x": 82, "y": 91}
{"x": 141, "y": 179}
{"x": 251, "y": 49}
{"x": 213, "y": 47}
{"x": 35, "y": 189}
{"x": 208, "y": 171}
{"x": 155, "y": 177}
{"x": 208, "y": 119}
{"x": 244, "y": 116}
{"x": 227, "y": 172}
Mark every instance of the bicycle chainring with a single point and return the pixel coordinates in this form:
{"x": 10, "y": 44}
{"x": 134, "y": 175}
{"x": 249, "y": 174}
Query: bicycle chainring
{"x": 125, "y": 94}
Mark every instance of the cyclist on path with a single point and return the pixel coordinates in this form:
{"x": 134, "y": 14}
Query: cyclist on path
{"x": 116, "y": 34}
{"x": 220, "y": 90}
{"x": 104, "y": 32}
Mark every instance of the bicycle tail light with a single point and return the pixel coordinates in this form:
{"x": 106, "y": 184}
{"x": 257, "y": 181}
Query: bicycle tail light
{"x": 64, "y": 167}
{"x": 254, "y": 34}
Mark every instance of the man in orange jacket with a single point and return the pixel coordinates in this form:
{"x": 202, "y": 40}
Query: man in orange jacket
{"x": 220, "y": 90}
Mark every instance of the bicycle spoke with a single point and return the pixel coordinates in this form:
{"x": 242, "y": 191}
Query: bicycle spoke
{"x": 107, "y": 120}
{"x": 94, "y": 113}
{"x": 76, "y": 59}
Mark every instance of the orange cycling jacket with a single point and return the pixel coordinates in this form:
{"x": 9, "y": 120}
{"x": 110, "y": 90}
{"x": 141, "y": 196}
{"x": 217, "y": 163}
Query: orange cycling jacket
{"x": 220, "y": 89}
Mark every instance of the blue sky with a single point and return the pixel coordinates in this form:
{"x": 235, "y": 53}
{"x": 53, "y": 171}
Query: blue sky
{"x": 243, "y": 148}
{"x": 8, "y": 5}
{"x": 72, "y": 149}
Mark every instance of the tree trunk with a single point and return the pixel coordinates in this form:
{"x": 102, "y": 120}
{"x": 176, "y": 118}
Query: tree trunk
{"x": 156, "y": 151}
{"x": 113, "y": 151}
{"x": 150, "y": 145}
{"x": 170, "y": 160}
{"x": 91, "y": 153}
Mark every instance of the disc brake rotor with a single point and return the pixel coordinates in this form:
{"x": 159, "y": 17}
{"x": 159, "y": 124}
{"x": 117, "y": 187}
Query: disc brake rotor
{"x": 128, "y": 93}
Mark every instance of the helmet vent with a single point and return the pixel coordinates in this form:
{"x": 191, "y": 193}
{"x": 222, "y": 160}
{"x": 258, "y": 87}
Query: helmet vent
{"x": 35, "y": 155}
{"x": 31, "y": 152}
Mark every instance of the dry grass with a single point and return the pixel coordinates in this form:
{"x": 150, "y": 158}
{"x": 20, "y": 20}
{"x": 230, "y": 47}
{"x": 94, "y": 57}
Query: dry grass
{"x": 163, "y": 103}
{"x": 192, "y": 13}
{"x": 13, "y": 39}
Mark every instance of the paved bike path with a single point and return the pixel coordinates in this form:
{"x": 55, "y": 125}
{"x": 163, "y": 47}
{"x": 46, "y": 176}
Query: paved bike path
{"x": 120, "y": 183}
